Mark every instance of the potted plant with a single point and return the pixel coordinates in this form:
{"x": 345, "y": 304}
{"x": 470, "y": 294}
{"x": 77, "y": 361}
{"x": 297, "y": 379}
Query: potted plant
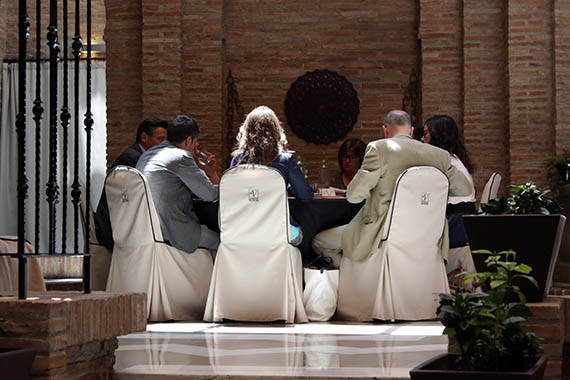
{"x": 487, "y": 327}
{"x": 526, "y": 222}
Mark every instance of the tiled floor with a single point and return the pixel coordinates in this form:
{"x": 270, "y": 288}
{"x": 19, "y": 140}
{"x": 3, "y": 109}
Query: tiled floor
{"x": 330, "y": 350}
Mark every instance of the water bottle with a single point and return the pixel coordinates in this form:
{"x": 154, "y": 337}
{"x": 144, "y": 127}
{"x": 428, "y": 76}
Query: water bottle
{"x": 323, "y": 175}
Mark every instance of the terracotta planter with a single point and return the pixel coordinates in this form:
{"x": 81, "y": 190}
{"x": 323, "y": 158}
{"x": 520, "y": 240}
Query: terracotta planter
{"x": 535, "y": 238}
{"x": 441, "y": 368}
{"x": 15, "y": 364}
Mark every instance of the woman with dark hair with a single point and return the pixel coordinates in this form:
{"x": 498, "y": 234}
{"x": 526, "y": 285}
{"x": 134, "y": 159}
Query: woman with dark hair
{"x": 442, "y": 131}
{"x": 261, "y": 140}
{"x": 350, "y": 155}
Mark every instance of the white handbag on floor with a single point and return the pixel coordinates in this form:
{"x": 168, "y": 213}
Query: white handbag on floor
{"x": 321, "y": 293}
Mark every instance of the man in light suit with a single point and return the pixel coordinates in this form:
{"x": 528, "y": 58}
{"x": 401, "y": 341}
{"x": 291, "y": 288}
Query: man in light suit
{"x": 383, "y": 163}
{"x": 175, "y": 178}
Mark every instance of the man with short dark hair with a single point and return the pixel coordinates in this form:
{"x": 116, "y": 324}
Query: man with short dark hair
{"x": 175, "y": 178}
{"x": 150, "y": 132}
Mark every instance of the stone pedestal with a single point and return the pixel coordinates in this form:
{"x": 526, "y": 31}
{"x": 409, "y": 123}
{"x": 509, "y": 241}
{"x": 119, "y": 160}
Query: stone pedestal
{"x": 74, "y": 334}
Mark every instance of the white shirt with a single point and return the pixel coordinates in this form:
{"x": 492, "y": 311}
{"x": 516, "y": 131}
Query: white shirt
{"x": 459, "y": 166}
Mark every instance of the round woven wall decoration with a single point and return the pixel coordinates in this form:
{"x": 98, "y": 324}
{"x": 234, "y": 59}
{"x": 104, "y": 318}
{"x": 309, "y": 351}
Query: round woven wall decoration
{"x": 321, "y": 106}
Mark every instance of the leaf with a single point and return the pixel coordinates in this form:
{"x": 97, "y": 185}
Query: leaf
{"x": 448, "y": 331}
{"x": 512, "y": 320}
{"x": 448, "y": 309}
{"x": 482, "y": 252}
{"x": 497, "y": 283}
{"x": 489, "y": 315}
{"x": 530, "y": 278}
{"x": 521, "y": 295}
{"x": 522, "y": 268}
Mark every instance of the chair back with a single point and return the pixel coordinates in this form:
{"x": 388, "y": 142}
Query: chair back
{"x": 491, "y": 189}
{"x": 416, "y": 216}
{"x": 254, "y": 211}
{"x": 400, "y": 278}
{"x": 257, "y": 274}
{"x": 133, "y": 216}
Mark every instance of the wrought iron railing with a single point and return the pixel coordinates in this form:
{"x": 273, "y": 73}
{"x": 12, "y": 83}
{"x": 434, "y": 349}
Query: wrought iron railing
{"x": 58, "y": 121}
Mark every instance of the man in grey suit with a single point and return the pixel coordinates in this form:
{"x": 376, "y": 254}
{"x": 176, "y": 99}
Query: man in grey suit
{"x": 383, "y": 163}
{"x": 175, "y": 178}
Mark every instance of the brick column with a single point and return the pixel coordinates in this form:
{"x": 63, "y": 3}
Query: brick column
{"x": 202, "y": 76}
{"x": 486, "y": 115}
{"x": 442, "y": 54}
{"x": 161, "y": 58}
{"x": 124, "y": 85}
{"x": 530, "y": 89}
{"x": 562, "y": 73}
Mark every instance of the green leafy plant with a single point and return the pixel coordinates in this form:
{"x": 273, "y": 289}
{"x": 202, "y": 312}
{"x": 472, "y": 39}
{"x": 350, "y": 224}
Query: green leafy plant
{"x": 526, "y": 199}
{"x": 487, "y": 325}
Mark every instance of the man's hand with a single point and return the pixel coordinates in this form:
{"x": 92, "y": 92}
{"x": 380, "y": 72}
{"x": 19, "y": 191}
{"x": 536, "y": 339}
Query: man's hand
{"x": 207, "y": 162}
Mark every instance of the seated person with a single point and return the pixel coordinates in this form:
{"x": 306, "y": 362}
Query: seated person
{"x": 175, "y": 178}
{"x": 350, "y": 155}
{"x": 442, "y": 131}
{"x": 151, "y": 132}
{"x": 261, "y": 140}
{"x": 385, "y": 159}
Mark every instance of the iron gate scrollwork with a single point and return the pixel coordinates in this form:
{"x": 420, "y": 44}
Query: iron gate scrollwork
{"x": 53, "y": 186}
{"x": 321, "y": 106}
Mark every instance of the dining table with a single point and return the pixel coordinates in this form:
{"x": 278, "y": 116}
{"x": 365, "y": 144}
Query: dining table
{"x": 313, "y": 216}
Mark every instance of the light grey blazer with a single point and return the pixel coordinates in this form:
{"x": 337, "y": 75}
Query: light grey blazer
{"x": 174, "y": 179}
{"x": 383, "y": 163}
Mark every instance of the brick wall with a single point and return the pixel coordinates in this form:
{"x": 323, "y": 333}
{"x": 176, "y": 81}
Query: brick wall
{"x": 201, "y": 87}
{"x": 531, "y": 92}
{"x": 562, "y": 73}
{"x": 485, "y": 112}
{"x": 373, "y": 44}
{"x": 442, "y": 58}
{"x": 499, "y": 68}
{"x": 124, "y": 74}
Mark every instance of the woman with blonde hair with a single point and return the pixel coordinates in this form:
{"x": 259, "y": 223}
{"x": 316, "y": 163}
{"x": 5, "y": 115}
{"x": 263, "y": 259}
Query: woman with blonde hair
{"x": 261, "y": 140}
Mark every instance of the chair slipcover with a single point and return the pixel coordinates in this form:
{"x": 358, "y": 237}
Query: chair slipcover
{"x": 9, "y": 267}
{"x": 401, "y": 278}
{"x": 491, "y": 189}
{"x": 257, "y": 275}
{"x": 100, "y": 255}
{"x": 176, "y": 282}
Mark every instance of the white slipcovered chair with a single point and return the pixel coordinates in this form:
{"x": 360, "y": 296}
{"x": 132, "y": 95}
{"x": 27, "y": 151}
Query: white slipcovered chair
{"x": 9, "y": 267}
{"x": 258, "y": 274}
{"x": 401, "y": 278}
{"x": 176, "y": 282}
{"x": 491, "y": 189}
{"x": 100, "y": 255}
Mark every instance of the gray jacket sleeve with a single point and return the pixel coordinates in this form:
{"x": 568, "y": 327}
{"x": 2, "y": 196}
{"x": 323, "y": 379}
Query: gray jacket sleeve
{"x": 195, "y": 179}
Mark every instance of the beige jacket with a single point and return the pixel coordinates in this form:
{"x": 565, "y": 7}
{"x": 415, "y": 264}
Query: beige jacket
{"x": 383, "y": 163}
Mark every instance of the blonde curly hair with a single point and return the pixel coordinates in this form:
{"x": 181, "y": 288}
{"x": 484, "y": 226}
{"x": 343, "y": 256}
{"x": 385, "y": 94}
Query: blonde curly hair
{"x": 260, "y": 139}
